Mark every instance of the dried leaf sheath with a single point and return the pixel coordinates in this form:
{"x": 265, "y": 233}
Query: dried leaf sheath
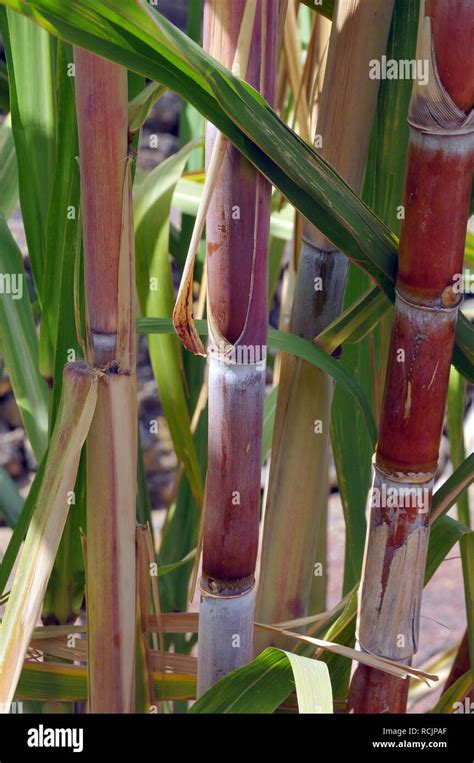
{"x": 237, "y": 229}
{"x": 75, "y": 413}
{"x": 183, "y": 313}
{"x": 437, "y": 189}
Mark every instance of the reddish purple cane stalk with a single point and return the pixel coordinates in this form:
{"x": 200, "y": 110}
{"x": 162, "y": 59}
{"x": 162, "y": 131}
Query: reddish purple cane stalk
{"x": 237, "y": 247}
{"x": 437, "y": 190}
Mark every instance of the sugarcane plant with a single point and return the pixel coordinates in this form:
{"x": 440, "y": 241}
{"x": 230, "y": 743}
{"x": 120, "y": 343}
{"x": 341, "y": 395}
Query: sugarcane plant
{"x": 105, "y": 388}
{"x": 282, "y": 207}
{"x": 102, "y": 115}
{"x": 237, "y": 230}
{"x": 426, "y": 309}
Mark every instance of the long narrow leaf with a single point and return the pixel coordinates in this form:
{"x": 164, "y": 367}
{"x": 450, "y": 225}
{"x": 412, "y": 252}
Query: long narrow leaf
{"x": 155, "y": 289}
{"x": 68, "y": 683}
{"x": 30, "y": 57}
{"x": 20, "y": 344}
{"x": 265, "y": 683}
{"x": 11, "y": 502}
{"x": 8, "y": 171}
{"x": 467, "y": 555}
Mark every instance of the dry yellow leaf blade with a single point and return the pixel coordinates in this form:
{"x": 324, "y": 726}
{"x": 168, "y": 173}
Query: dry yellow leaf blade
{"x": 183, "y": 313}
{"x": 388, "y": 666}
{"x": 78, "y": 401}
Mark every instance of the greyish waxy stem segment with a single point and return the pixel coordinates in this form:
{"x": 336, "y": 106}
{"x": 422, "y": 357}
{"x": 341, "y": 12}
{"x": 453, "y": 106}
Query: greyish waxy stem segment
{"x": 226, "y": 625}
{"x": 295, "y": 508}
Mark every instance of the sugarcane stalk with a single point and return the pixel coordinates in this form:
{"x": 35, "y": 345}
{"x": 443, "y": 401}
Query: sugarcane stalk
{"x": 298, "y": 469}
{"x": 102, "y": 109}
{"x": 237, "y": 247}
{"x": 102, "y": 113}
{"x": 111, "y": 545}
{"x": 437, "y": 189}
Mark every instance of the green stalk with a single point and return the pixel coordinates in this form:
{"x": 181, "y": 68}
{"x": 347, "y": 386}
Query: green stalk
{"x": 102, "y": 112}
{"x": 298, "y": 471}
{"x": 455, "y": 413}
